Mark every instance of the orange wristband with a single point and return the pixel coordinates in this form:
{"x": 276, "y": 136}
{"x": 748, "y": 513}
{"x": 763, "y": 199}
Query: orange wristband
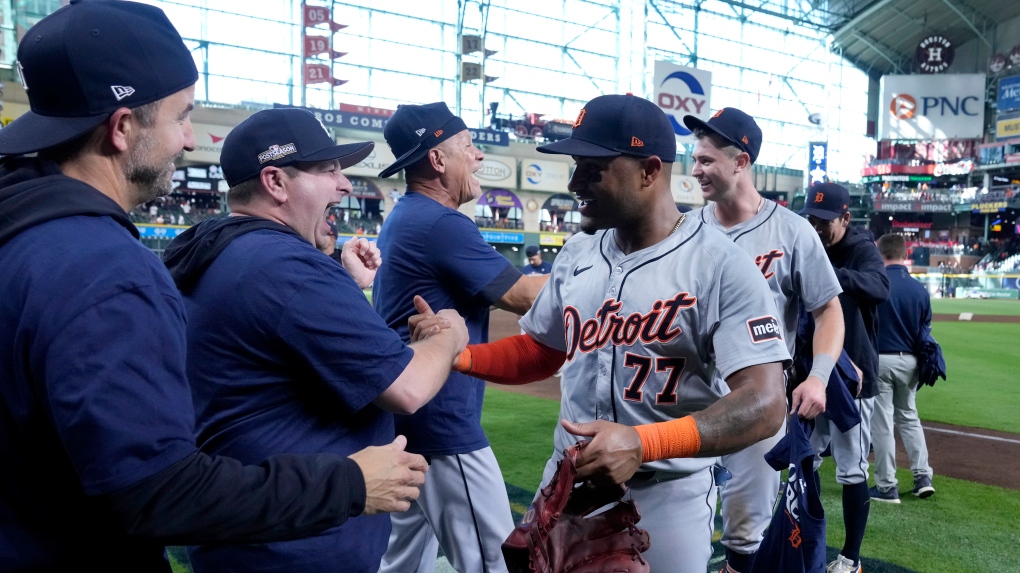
{"x": 463, "y": 363}
{"x": 673, "y": 439}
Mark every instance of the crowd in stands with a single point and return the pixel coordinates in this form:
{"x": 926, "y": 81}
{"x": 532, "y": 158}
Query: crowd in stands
{"x": 559, "y": 227}
{"x": 1003, "y": 258}
{"x": 179, "y": 209}
{"x": 956, "y": 194}
{"x": 503, "y": 223}
{"x": 354, "y": 222}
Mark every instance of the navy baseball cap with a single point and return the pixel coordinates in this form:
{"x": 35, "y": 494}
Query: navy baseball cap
{"x": 732, "y": 125}
{"x": 531, "y": 251}
{"x": 826, "y": 201}
{"x": 415, "y": 129}
{"x": 279, "y": 137}
{"x": 89, "y": 59}
{"x": 612, "y": 125}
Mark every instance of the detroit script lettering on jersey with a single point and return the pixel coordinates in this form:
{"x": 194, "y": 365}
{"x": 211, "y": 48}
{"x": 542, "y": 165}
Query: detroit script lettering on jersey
{"x": 765, "y": 261}
{"x": 608, "y": 326}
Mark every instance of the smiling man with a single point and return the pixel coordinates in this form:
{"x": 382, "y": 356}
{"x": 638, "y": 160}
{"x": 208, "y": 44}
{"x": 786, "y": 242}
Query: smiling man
{"x": 790, "y": 257}
{"x": 285, "y": 354}
{"x": 648, "y": 306}
{"x": 433, "y": 250}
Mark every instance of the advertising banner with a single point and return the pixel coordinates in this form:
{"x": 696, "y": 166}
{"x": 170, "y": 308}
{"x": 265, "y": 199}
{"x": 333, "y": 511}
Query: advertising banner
{"x": 680, "y": 91}
{"x": 208, "y": 143}
{"x": 380, "y": 158}
{"x": 686, "y": 189}
{"x": 1009, "y": 94}
{"x": 1007, "y": 126}
{"x": 943, "y": 106}
{"x": 543, "y": 175}
{"x": 498, "y": 171}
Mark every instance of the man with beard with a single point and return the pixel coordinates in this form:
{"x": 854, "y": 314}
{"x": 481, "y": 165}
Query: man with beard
{"x": 285, "y": 354}
{"x": 96, "y": 418}
{"x": 791, "y": 258}
{"x": 433, "y": 250}
{"x": 861, "y": 274}
{"x": 647, "y": 305}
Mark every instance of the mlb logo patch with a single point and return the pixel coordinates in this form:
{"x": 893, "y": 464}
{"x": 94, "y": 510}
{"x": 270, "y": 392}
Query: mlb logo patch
{"x": 764, "y": 328}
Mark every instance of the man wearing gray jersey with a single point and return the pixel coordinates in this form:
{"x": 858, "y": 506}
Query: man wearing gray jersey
{"x": 649, "y": 306}
{"x": 790, "y": 256}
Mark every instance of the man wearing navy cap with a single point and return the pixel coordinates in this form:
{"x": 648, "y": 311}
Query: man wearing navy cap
{"x": 285, "y": 354}
{"x": 433, "y": 250}
{"x": 646, "y": 306}
{"x": 535, "y": 266}
{"x": 96, "y": 416}
{"x": 791, "y": 258}
{"x": 861, "y": 274}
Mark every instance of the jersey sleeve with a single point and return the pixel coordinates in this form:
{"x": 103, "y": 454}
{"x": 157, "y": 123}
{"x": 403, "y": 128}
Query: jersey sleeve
{"x": 120, "y": 403}
{"x": 465, "y": 263}
{"x": 746, "y": 327}
{"x": 338, "y": 338}
{"x": 813, "y": 276}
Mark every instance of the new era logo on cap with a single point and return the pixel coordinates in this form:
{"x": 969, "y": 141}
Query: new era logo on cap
{"x": 121, "y": 92}
{"x": 764, "y": 328}
{"x": 635, "y": 142}
{"x": 418, "y": 132}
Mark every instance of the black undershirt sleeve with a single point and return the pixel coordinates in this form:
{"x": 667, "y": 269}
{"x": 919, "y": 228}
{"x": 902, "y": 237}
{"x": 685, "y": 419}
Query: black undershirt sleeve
{"x": 203, "y": 499}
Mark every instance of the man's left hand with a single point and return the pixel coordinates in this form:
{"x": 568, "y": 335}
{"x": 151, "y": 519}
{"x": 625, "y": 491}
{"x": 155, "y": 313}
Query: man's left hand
{"x": 361, "y": 259}
{"x": 614, "y": 453}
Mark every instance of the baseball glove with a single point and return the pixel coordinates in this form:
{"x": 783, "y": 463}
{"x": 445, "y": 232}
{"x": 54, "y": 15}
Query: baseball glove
{"x": 558, "y": 535}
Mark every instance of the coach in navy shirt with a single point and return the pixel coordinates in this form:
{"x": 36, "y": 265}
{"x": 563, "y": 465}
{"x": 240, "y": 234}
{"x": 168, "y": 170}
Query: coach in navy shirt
{"x": 96, "y": 420}
{"x": 285, "y": 354}
{"x": 902, "y": 322}
{"x": 433, "y": 250}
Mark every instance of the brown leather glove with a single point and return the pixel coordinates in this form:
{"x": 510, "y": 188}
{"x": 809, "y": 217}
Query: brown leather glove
{"x": 557, "y": 535}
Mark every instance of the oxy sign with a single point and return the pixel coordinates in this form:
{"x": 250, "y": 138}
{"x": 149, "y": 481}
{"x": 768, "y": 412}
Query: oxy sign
{"x": 680, "y": 91}
{"x": 950, "y": 106}
{"x": 544, "y": 175}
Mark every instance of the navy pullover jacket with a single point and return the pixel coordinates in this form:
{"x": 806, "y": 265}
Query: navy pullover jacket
{"x": 861, "y": 274}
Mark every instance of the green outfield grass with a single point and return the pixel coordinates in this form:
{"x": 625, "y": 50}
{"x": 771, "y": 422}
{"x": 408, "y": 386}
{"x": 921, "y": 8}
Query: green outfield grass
{"x": 977, "y": 306}
{"x": 982, "y": 388}
{"x": 964, "y": 528}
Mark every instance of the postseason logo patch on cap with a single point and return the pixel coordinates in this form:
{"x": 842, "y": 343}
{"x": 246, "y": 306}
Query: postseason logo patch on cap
{"x": 764, "y": 328}
{"x": 276, "y": 152}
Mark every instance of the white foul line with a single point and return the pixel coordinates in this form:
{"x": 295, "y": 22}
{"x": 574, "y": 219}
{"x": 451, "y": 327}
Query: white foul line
{"x": 971, "y": 435}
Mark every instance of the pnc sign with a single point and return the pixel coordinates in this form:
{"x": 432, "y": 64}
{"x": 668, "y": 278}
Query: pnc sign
{"x": 680, "y": 91}
{"x": 917, "y": 107}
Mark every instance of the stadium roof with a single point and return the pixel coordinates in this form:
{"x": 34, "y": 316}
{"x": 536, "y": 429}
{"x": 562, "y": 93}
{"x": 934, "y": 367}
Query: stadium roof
{"x": 880, "y": 36}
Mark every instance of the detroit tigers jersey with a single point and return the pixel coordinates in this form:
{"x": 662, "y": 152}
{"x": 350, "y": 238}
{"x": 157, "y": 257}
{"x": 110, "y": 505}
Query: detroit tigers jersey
{"x": 790, "y": 256}
{"x": 646, "y": 332}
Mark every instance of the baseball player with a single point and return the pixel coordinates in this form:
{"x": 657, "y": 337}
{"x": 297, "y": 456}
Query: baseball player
{"x": 647, "y": 306}
{"x": 790, "y": 256}
{"x": 861, "y": 274}
{"x": 432, "y": 250}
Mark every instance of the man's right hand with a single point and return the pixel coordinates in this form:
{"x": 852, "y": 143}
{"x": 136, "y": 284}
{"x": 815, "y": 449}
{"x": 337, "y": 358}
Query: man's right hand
{"x": 428, "y": 323}
{"x": 392, "y": 476}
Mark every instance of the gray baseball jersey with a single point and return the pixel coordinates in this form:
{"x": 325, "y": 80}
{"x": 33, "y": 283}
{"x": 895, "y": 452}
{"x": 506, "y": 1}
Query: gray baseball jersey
{"x": 645, "y": 333}
{"x": 790, "y": 256}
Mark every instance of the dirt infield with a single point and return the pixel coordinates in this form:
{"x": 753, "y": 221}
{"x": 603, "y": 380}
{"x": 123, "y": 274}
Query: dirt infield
{"x": 972, "y": 454}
